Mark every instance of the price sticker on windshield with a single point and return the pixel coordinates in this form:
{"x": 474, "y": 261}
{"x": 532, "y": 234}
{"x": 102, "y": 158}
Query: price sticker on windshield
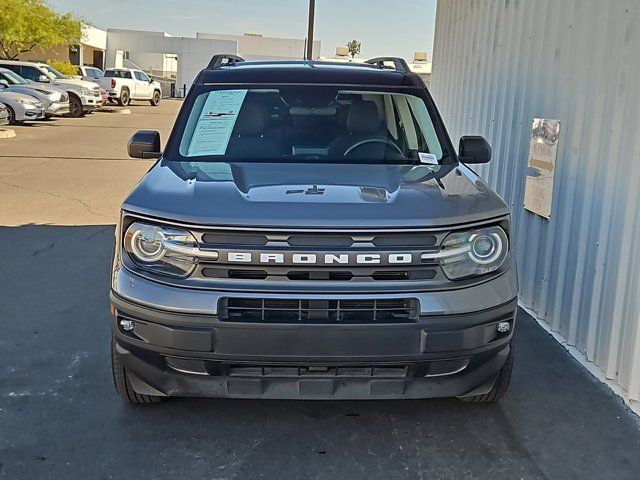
{"x": 428, "y": 158}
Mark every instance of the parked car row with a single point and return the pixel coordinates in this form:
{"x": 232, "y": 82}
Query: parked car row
{"x": 35, "y": 90}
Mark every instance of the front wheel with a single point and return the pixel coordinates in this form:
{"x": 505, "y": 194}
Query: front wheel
{"x": 75, "y": 107}
{"x": 500, "y": 386}
{"x": 123, "y": 385}
{"x": 155, "y": 101}
{"x": 12, "y": 115}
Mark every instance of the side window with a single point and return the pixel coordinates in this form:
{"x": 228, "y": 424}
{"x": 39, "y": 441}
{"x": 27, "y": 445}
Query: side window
{"x": 126, "y": 75}
{"x": 141, "y": 76}
{"x": 31, "y": 73}
{"x": 13, "y": 68}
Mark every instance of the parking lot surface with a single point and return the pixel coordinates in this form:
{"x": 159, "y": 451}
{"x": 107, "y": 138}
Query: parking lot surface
{"x": 61, "y": 185}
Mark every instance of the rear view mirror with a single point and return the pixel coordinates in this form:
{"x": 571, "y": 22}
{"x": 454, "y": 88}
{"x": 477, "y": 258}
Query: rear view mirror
{"x": 144, "y": 144}
{"x": 4, "y": 83}
{"x": 474, "y": 149}
{"x": 44, "y": 79}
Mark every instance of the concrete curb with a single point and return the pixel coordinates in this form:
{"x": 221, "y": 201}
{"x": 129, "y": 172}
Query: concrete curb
{"x": 7, "y": 133}
{"x": 122, "y": 111}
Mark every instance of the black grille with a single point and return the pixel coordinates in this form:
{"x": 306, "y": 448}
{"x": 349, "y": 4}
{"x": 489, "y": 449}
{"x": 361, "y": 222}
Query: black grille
{"x": 397, "y": 241}
{"x": 271, "y": 310}
{"x": 330, "y": 371}
{"x": 236, "y": 239}
{"x": 320, "y": 274}
{"x": 319, "y": 240}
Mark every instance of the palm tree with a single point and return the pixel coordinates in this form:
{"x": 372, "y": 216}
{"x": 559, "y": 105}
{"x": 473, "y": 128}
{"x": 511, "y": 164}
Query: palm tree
{"x": 354, "y": 48}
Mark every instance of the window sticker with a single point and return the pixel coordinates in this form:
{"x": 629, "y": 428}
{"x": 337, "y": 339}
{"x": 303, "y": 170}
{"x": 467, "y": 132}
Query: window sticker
{"x": 428, "y": 158}
{"x": 215, "y": 124}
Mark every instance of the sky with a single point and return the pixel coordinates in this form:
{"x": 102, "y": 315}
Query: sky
{"x": 385, "y": 27}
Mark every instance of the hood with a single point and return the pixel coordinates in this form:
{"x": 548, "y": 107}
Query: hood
{"x": 41, "y": 94}
{"x": 318, "y": 195}
{"x": 9, "y": 97}
{"x": 71, "y": 82}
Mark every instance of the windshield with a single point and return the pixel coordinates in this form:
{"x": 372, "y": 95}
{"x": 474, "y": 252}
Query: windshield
{"x": 53, "y": 73}
{"x": 12, "y": 78}
{"x": 309, "y": 122}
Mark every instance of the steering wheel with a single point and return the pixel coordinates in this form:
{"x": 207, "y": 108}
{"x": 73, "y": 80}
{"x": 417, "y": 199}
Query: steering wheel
{"x": 359, "y": 144}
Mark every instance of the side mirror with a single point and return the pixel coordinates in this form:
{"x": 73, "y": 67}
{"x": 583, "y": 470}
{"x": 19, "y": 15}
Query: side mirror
{"x": 44, "y": 79}
{"x": 4, "y": 83}
{"x": 474, "y": 149}
{"x": 144, "y": 144}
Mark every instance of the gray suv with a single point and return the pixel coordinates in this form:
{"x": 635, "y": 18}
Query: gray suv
{"x": 309, "y": 231}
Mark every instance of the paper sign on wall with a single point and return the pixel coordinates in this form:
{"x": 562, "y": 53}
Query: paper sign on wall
{"x": 541, "y": 166}
{"x": 215, "y": 124}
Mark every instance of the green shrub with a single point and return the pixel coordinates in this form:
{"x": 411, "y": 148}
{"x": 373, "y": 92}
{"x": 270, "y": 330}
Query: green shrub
{"x": 64, "y": 67}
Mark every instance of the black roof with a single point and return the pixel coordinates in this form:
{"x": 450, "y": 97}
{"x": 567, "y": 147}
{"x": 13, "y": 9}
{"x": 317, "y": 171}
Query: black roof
{"x": 303, "y": 71}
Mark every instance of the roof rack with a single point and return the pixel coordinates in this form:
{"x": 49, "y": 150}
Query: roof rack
{"x": 224, "y": 60}
{"x": 399, "y": 64}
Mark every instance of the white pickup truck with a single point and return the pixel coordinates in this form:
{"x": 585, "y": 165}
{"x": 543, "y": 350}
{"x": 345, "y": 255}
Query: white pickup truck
{"x": 126, "y": 84}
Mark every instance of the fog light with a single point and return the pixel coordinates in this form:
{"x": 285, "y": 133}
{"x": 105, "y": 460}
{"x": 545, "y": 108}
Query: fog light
{"x": 127, "y": 325}
{"x": 504, "y": 327}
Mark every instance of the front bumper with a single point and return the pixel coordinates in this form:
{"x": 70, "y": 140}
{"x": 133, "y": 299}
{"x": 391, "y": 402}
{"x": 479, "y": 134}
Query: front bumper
{"x": 91, "y": 102}
{"x": 57, "y": 108}
{"x": 179, "y": 353}
{"x": 29, "y": 112}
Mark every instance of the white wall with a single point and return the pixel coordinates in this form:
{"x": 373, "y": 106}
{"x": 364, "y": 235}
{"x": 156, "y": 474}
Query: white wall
{"x": 499, "y": 63}
{"x": 254, "y": 47}
{"x": 94, "y": 37}
{"x": 147, "y": 49}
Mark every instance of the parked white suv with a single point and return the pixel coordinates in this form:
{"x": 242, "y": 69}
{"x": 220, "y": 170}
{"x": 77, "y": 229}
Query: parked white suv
{"x": 83, "y": 96}
{"x": 89, "y": 73}
{"x": 126, "y": 84}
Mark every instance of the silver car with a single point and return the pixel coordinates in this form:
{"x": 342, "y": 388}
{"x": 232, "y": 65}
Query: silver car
{"x": 55, "y": 100}
{"x": 83, "y": 96}
{"x": 22, "y": 107}
{"x": 4, "y": 115}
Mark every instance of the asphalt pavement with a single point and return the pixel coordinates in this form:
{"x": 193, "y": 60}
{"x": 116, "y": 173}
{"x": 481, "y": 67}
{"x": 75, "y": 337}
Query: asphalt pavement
{"x": 60, "y": 417}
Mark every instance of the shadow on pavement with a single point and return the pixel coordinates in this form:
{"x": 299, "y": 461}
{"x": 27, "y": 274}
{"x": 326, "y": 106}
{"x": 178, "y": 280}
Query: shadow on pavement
{"x": 60, "y": 416}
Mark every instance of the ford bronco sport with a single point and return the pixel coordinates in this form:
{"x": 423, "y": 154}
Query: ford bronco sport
{"x": 310, "y": 232}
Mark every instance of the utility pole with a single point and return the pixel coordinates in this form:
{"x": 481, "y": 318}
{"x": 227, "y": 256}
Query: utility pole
{"x": 312, "y": 14}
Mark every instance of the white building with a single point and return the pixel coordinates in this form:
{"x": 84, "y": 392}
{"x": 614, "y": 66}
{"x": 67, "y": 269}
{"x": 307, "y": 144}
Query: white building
{"x": 181, "y": 58}
{"x": 419, "y": 65}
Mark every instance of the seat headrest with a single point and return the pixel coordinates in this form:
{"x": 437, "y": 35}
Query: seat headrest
{"x": 251, "y": 120}
{"x": 363, "y": 118}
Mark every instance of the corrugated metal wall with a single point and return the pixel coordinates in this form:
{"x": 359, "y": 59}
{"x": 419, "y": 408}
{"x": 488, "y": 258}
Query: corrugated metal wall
{"x": 499, "y": 63}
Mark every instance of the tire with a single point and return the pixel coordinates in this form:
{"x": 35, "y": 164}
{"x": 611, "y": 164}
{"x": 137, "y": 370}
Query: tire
{"x": 12, "y": 115}
{"x": 124, "y": 99}
{"x": 155, "y": 101}
{"x": 75, "y": 107}
{"x": 500, "y": 386}
{"x": 123, "y": 385}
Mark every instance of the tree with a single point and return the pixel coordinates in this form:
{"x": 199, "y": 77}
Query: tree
{"x": 354, "y": 48}
{"x": 27, "y": 24}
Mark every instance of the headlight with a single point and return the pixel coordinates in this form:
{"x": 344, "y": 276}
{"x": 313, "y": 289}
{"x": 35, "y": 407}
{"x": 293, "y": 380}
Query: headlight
{"x": 159, "y": 249}
{"x": 473, "y": 253}
{"x": 24, "y": 101}
{"x": 85, "y": 91}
